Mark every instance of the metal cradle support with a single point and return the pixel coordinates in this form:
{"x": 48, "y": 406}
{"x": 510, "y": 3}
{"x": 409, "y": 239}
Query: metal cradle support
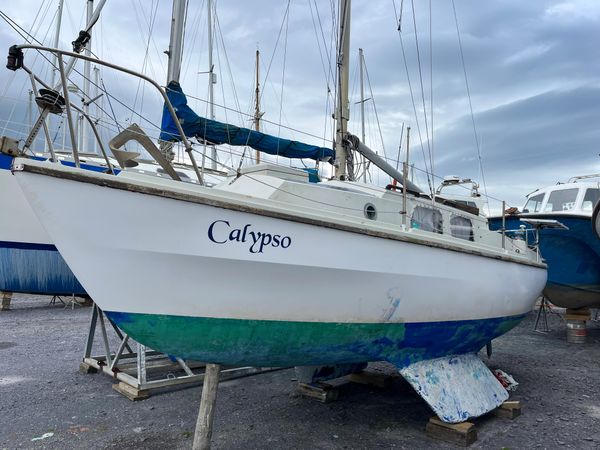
{"x": 541, "y": 320}
{"x": 139, "y": 369}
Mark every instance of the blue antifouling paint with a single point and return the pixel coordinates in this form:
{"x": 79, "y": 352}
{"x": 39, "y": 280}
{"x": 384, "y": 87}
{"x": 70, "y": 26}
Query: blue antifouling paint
{"x": 36, "y": 269}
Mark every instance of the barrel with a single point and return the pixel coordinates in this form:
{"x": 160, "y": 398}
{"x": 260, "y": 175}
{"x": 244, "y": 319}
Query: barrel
{"x": 576, "y": 331}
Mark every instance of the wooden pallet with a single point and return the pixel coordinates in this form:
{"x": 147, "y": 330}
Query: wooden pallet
{"x": 465, "y": 433}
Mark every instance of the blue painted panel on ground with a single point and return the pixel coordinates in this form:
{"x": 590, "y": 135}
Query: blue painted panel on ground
{"x": 456, "y": 387}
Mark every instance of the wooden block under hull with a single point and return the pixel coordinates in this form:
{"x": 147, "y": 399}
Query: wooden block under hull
{"x": 463, "y": 433}
{"x": 130, "y": 392}
{"x": 323, "y": 392}
{"x": 510, "y": 409}
{"x": 578, "y": 314}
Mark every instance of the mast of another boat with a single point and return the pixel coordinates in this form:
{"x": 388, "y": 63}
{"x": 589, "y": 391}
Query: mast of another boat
{"x": 257, "y": 113}
{"x": 211, "y": 82}
{"x": 87, "y": 74}
{"x": 342, "y": 109}
{"x": 59, "y": 14}
{"x": 82, "y": 34}
{"x": 361, "y": 60}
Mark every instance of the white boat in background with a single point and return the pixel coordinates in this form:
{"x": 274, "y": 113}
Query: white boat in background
{"x": 270, "y": 269}
{"x": 571, "y": 250}
{"x": 29, "y": 260}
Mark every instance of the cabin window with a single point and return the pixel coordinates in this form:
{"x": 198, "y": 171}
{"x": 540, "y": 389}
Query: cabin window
{"x": 534, "y": 204}
{"x": 462, "y": 228}
{"x": 590, "y": 199}
{"x": 427, "y": 219}
{"x": 563, "y": 200}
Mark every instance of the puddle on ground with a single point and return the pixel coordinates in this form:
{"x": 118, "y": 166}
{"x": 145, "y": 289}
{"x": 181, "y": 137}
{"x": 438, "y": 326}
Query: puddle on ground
{"x": 12, "y": 379}
{"x": 594, "y": 411}
{"x": 5, "y": 345}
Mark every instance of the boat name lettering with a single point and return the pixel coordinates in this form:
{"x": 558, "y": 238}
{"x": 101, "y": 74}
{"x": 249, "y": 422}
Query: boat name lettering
{"x": 219, "y": 229}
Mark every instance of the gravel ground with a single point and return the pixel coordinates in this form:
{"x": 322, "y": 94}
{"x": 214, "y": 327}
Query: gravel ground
{"x": 41, "y": 391}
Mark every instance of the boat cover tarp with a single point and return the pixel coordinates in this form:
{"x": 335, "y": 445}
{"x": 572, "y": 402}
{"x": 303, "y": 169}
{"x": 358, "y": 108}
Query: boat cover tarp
{"x": 216, "y": 132}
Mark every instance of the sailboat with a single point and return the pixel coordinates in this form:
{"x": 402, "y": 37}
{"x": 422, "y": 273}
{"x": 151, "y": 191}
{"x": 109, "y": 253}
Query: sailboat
{"x": 271, "y": 269}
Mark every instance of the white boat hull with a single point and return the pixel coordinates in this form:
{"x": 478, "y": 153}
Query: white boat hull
{"x": 29, "y": 261}
{"x": 175, "y": 261}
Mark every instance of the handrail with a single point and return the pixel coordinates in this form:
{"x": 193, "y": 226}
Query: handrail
{"x": 80, "y": 111}
{"x": 60, "y": 53}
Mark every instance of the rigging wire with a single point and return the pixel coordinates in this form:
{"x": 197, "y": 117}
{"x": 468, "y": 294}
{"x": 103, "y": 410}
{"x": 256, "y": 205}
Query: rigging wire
{"x": 285, "y": 41}
{"x": 140, "y": 85}
{"x": 412, "y": 96}
{"x": 462, "y": 58}
{"x": 432, "y": 161}
{"x": 418, "y": 53}
{"x": 374, "y": 108}
{"x": 287, "y": 10}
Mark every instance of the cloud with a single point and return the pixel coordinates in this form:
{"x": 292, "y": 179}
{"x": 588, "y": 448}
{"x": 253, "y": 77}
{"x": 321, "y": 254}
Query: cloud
{"x": 532, "y": 70}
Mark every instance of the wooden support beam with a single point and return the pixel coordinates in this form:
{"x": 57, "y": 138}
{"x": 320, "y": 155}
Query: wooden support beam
{"x": 131, "y": 392}
{"x": 6, "y": 298}
{"x": 325, "y": 392}
{"x": 86, "y": 368}
{"x": 509, "y": 409}
{"x": 578, "y": 314}
{"x": 204, "y": 423}
{"x": 463, "y": 433}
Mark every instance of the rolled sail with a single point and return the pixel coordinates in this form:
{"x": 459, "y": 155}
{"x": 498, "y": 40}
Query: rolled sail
{"x": 216, "y": 132}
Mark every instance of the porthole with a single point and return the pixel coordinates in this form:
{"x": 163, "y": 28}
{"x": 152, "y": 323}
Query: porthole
{"x": 370, "y": 211}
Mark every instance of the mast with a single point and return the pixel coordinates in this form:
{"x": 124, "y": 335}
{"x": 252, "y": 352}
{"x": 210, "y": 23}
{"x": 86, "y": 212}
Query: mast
{"x": 257, "y": 113}
{"x": 176, "y": 41}
{"x": 342, "y": 107}
{"x": 87, "y": 73}
{"x": 211, "y": 80}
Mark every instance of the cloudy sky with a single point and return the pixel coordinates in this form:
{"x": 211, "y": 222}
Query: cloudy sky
{"x": 533, "y": 71}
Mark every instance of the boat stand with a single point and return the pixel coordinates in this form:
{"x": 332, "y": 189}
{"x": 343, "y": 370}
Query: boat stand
{"x": 541, "y": 321}
{"x": 54, "y": 298}
{"x": 141, "y": 370}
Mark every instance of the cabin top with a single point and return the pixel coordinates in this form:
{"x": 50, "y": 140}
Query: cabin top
{"x": 577, "y": 198}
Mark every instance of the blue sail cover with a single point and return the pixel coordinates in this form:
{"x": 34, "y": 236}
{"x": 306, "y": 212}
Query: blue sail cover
{"x": 223, "y": 133}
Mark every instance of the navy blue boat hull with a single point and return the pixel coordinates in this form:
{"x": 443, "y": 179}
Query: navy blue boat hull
{"x": 36, "y": 269}
{"x": 573, "y": 258}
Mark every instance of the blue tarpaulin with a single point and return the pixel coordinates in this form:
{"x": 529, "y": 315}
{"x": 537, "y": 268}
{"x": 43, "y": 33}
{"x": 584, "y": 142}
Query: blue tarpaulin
{"x": 222, "y": 133}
